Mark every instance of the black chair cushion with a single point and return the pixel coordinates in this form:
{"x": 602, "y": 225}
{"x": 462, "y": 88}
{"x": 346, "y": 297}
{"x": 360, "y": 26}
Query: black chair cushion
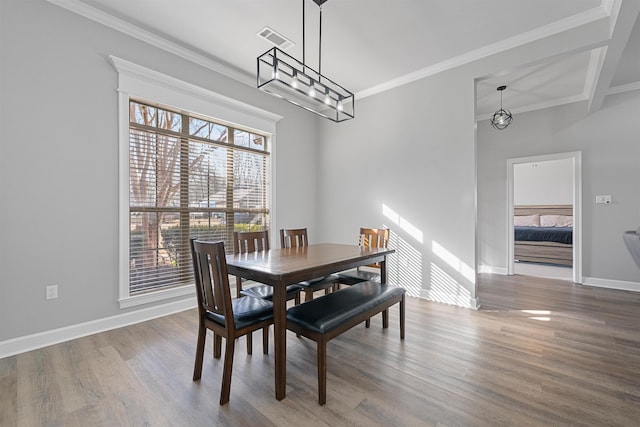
{"x": 323, "y": 314}
{"x": 320, "y": 282}
{"x": 246, "y": 311}
{"x": 266, "y": 291}
{"x": 352, "y": 277}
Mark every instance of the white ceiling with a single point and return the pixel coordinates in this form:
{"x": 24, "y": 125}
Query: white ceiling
{"x": 370, "y": 45}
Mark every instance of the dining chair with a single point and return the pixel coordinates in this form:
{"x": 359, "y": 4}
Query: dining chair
{"x": 371, "y": 238}
{"x": 257, "y": 241}
{"x": 225, "y": 316}
{"x": 298, "y": 237}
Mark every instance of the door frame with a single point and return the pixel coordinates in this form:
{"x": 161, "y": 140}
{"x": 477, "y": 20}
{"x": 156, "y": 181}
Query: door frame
{"x": 576, "y": 156}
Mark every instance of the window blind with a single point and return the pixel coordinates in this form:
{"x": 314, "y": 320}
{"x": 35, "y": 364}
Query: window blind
{"x": 189, "y": 177}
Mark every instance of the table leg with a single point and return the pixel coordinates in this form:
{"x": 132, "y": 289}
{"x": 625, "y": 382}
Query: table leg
{"x": 280, "y": 339}
{"x": 383, "y": 270}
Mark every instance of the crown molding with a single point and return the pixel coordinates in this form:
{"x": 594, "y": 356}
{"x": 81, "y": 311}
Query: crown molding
{"x": 623, "y": 88}
{"x": 605, "y": 10}
{"x": 129, "y": 29}
{"x": 540, "y": 33}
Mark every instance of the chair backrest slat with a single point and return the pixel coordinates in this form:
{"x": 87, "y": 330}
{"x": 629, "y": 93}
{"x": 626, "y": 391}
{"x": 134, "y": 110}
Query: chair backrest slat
{"x": 250, "y": 241}
{"x": 293, "y": 238}
{"x": 212, "y": 281}
{"x": 374, "y": 238}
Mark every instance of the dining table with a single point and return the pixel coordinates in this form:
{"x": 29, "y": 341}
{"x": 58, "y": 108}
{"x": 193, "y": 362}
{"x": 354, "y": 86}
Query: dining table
{"x": 282, "y": 267}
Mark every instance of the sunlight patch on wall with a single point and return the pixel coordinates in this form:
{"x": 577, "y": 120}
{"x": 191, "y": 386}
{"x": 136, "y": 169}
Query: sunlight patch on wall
{"x": 445, "y": 288}
{"x": 454, "y": 262}
{"x": 404, "y": 268}
{"x": 404, "y": 225}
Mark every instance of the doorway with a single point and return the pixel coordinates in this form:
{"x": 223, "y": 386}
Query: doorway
{"x": 574, "y": 160}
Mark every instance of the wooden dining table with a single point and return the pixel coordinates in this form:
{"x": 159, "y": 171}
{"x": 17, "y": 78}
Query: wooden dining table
{"x": 282, "y": 267}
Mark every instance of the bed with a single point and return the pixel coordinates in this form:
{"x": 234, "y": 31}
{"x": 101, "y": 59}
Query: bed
{"x": 544, "y": 234}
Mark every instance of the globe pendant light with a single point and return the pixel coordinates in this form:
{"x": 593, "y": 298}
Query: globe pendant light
{"x": 501, "y": 118}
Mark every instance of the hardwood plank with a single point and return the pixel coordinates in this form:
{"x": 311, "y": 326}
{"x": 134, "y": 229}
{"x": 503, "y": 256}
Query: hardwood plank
{"x": 539, "y": 352}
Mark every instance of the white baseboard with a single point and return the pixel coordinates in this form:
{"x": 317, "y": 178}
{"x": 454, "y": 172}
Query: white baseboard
{"x": 589, "y": 281}
{"x": 611, "y": 284}
{"x": 55, "y": 336}
{"x": 492, "y": 270}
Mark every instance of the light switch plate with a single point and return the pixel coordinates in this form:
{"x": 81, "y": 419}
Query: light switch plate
{"x": 603, "y": 200}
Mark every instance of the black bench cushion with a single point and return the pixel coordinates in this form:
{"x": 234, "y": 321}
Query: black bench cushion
{"x": 246, "y": 311}
{"x": 323, "y": 314}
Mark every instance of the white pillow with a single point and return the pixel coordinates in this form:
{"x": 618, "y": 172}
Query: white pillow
{"x": 556, "y": 221}
{"x": 526, "y": 220}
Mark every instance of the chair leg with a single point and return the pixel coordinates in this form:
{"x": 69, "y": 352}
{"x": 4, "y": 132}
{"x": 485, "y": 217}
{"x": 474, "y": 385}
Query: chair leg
{"x": 265, "y": 340}
{"x": 228, "y": 367}
{"x": 402, "y": 318}
{"x": 296, "y": 300}
{"x": 326, "y": 290}
{"x": 322, "y": 372}
{"x": 250, "y": 343}
{"x": 238, "y": 286}
{"x": 197, "y": 367}
{"x": 367, "y": 323}
{"x": 385, "y": 318}
{"x": 217, "y": 346}
{"x": 308, "y": 295}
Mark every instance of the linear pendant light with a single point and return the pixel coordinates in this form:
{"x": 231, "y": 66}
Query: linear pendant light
{"x": 283, "y": 76}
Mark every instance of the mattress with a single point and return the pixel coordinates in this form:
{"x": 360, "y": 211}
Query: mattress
{"x": 544, "y": 234}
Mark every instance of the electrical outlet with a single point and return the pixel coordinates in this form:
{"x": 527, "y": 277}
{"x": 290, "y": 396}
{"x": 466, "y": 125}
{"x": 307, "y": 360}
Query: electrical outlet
{"x": 52, "y": 291}
{"x": 603, "y": 200}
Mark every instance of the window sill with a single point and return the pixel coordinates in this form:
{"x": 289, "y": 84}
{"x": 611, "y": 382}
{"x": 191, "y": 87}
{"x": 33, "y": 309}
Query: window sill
{"x": 156, "y": 296}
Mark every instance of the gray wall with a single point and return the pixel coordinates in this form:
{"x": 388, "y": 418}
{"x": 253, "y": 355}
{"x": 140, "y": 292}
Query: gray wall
{"x": 402, "y": 152}
{"x": 412, "y": 149}
{"x": 609, "y": 141}
{"x": 59, "y": 163}
{"x": 543, "y": 183}
{"x": 407, "y": 161}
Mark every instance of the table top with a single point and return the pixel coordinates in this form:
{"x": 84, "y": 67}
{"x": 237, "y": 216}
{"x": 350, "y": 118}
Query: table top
{"x": 292, "y": 265}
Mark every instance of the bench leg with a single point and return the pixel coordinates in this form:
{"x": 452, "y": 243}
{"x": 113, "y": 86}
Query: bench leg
{"x": 367, "y": 323}
{"x": 385, "y": 319}
{"x": 322, "y": 371}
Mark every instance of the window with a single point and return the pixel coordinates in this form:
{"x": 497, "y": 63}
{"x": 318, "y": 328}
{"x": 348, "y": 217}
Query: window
{"x": 189, "y": 176}
{"x": 176, "y": 194}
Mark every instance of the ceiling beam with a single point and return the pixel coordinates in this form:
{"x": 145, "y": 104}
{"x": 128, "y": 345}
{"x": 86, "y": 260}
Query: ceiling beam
{"x": 622, "y": 24}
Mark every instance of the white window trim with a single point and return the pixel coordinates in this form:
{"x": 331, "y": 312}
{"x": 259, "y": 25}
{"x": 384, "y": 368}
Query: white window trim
{"x": 141, "y": 82}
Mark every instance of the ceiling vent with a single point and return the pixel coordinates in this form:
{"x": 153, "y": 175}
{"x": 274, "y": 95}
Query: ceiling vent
{"x": 275, "y": 38}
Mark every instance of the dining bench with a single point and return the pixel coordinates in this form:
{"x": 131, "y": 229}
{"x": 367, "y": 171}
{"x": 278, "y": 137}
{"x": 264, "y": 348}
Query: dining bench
{"x": 325, "y": 318}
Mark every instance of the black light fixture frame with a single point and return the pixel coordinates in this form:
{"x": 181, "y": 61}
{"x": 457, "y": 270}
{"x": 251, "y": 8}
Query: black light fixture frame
{"x": 283, "y": 76}
{"x": 501, "y": 118}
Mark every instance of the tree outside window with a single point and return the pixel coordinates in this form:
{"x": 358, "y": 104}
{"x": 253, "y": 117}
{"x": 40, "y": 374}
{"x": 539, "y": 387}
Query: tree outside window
{"x": 189, "y": 177}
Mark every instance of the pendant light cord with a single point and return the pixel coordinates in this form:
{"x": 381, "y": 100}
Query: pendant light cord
{"x": 320, "y": 48}
{"x": 304, "y": 63}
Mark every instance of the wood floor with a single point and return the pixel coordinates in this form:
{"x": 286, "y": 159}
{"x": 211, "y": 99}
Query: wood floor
{"x": 540, "y": 352}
